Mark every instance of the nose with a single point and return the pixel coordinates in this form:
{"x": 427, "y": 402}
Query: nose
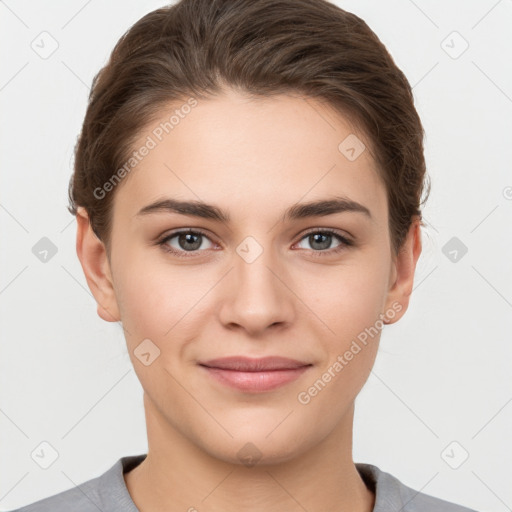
{"x": 257, "y": 294}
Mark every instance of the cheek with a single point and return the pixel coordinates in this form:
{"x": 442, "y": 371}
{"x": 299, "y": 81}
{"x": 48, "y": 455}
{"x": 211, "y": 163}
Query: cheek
{"x": 158, "y": 301}
{"x": 349, "y": 302}
{"x": 351, "y": 308}
{"x": 148, "y": 300}
{"x": 347, "y": 299}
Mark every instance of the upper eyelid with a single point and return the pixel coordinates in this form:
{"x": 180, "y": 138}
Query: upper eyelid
{"x": 172, "y": 234}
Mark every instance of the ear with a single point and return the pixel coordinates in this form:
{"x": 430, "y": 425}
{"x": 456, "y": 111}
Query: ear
{"x": 94, "y": 260}
{"x": 402, "y": 275}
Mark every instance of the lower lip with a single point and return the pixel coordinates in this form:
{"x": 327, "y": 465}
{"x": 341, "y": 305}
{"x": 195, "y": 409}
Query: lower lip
{"x": 256, "y": 381}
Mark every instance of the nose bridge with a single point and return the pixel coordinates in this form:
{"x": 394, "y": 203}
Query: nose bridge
{"x": 256, "y": 264}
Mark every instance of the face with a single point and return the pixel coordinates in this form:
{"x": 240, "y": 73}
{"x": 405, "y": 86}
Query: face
{"x": 259, "y": 274}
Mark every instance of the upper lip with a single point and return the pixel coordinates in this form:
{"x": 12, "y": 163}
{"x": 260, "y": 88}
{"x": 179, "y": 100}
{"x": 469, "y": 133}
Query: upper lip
{"x": 248, "y": 364}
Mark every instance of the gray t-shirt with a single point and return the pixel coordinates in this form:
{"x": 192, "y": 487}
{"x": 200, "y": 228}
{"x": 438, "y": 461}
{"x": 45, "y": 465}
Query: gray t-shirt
{"x": 108, "y": 493}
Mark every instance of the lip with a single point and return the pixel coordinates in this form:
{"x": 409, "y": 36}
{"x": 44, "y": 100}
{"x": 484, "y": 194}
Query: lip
{"x": 256, "y": 364}
{"x": 255, "y": 374}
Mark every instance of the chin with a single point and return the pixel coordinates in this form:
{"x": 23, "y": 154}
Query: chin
{"x": 257, "y": 448}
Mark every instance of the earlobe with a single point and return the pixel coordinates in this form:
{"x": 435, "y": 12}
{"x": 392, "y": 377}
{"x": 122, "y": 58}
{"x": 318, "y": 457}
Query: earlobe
{"x": 93, "y": 257}
{"x": 404, "y": 269}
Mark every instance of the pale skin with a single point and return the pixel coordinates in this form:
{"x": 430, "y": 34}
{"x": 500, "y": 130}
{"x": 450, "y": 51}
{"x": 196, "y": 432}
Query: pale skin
{"x": 253, "y": 159}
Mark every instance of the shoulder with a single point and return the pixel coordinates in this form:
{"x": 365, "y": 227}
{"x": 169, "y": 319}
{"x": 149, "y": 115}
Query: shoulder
{"x": 83, "y": 498}
{"x": 392, "y": 494}
{"x": 106, "y": 493}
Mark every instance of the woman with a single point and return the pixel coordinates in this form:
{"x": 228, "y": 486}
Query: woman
{"x": 247, "y": 189}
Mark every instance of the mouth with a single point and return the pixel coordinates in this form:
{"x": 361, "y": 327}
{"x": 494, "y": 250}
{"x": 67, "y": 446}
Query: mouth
{"x": 255, "y": 375}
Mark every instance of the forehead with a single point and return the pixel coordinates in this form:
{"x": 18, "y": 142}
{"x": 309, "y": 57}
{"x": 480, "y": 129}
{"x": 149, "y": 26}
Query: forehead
{"x": 239, "y": 151}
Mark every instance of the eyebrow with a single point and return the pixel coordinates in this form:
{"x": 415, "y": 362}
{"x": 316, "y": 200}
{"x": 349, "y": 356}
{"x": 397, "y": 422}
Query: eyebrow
{"x": 297, "y": 211}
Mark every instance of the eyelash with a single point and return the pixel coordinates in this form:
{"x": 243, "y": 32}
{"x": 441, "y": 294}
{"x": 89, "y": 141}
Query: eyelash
{"x": 345, "y": 242}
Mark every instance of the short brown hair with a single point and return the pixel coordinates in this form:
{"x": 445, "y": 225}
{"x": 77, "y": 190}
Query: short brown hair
{"x": 262, "y": 47}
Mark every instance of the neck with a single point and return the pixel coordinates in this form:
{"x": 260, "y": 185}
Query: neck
{"x": 176, "y": 476}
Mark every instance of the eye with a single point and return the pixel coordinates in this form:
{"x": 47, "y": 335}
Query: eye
{"x": 321, "y": 239}
{"x": 187, "y": 241}
{"x": 191, "y": 241}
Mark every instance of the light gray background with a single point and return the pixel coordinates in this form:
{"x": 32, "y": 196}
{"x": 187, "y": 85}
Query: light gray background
{"x": 443, "y": 372}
